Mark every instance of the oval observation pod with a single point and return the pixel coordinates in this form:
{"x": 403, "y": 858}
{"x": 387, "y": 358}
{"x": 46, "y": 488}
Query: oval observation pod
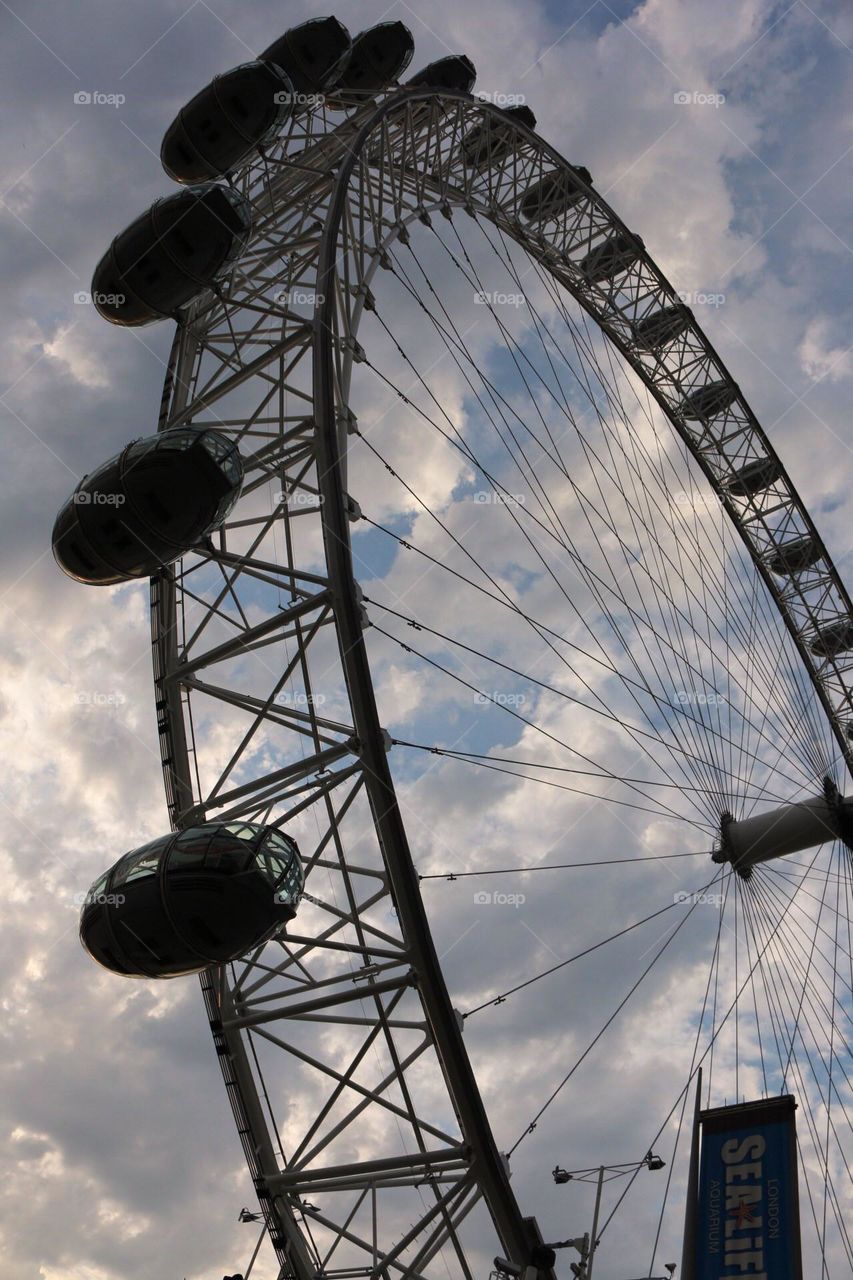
{"x": 191, "y": 899}
{"x": 794, "y": 556}
{"x": 226, "y": 121}
{"x": 313, "y": 55}
{"x": 491, "y": 141}
{"x": 662, "y": 327}
{"x": 709, "y": 401}
{"x": 170, "y": 254}
{"x": 755, "y": 477}
{"x": 553, "y": 194}
{"x": 147, "y": 506}
{"x": 455, "y": 72}
{"x": 379, "y": 57}
{"x": 833, "y": 639}
{"x": 612, "y": 258}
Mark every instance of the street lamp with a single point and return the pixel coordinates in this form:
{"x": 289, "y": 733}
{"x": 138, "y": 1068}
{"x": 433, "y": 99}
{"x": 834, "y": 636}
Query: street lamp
{"x": 586, "y": 1245}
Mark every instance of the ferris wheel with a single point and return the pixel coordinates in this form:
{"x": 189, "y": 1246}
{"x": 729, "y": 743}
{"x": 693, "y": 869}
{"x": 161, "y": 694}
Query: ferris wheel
{"x": 458, "y": 529}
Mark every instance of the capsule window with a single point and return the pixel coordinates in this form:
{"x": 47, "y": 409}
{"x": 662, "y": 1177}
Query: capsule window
{"x": 139, "y": 863}
{"x": 290, "y": 883}
{"x": 98, "y": 888}
{"x": 242, "y": 830}
{"x": 221, "y": 853}
{"x": 190, "y": 847}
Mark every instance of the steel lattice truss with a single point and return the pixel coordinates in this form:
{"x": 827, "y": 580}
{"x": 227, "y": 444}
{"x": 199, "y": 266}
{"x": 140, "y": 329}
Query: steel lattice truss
{"x": 263, "y": 691}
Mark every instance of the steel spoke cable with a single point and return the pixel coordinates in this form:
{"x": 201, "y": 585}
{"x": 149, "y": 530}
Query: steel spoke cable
{"x": 475, "y": 757}
{"x": 613, "y": 477}
{"x": 780, "y": 874}
{"x": 786, "y": 985}
{"x": 760, "y": 792}
{"x": 685, "y": 1092}
{"x": 553, "y": 291}
{"x": 383, "y": 460}
{"x": 558, "y": 300}
{"x": 772, "y": 992}
{"x": 716, "y": 1032}
{"x": 564, "y": 468}
{"x": 379, "y": 456}
{"x": 515, "y": 671}
{"x": 537, "y": 1117}
{"x": 603, "y": 497}
{"x": 831, "y": 1057}
{"x": 826, "y": 1011}
{"x": 587, "y": 795}
{"x": 811, "y": 958}
{"x": 726, "y": 579}
{"x": 556, "y": 866}
{"x": 765, "y": 897}
{"x": 748, "y": 942}
{"x": 521, "y": 986}
{"x": 435, "y": 517}
{"x": 805, "y": 1097}
{"x": 605, "y": 774}
{"x": 500, "y": 488}
{"x": 803, "y": 1094}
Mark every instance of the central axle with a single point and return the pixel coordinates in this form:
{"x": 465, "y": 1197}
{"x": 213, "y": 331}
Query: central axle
{"x": 803, "y": 824}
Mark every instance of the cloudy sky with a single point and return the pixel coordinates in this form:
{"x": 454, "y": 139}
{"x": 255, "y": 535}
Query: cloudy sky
{"x": 120, "y": 1158}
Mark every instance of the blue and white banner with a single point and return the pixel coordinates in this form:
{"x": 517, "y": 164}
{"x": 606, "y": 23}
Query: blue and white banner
{"x": 748, "y": 1214}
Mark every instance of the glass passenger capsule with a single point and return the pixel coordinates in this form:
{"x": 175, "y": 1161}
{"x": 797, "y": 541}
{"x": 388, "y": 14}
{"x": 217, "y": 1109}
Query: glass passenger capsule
{"x": 379, "y": 57}
{"x": 170, "y": 254}
{"x": 612, "y": 257}
{"x": 835, "y": 638}
{"x": 491, "y": 141}
{"x": 554, "y": 194}
{"x": 794, "y": 556}
{"x": 226, "y": 121}
{"x": 662, "y": 327}
{"x": 313, "y": 55}
{"x": 754, "y": 477}
{"x": 147, "y": 506}
{"x": 709, "y": 401}
{"x": 192, "y": 899}
{"x": 454, "y": 72}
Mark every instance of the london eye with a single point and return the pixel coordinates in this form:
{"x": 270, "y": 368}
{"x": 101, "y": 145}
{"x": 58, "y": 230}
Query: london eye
{"x": 451, "y": 506}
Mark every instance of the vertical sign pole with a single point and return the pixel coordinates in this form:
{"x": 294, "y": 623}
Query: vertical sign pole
{"x": 593, "y": 1240}
{"x": 688, "y": 1255}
